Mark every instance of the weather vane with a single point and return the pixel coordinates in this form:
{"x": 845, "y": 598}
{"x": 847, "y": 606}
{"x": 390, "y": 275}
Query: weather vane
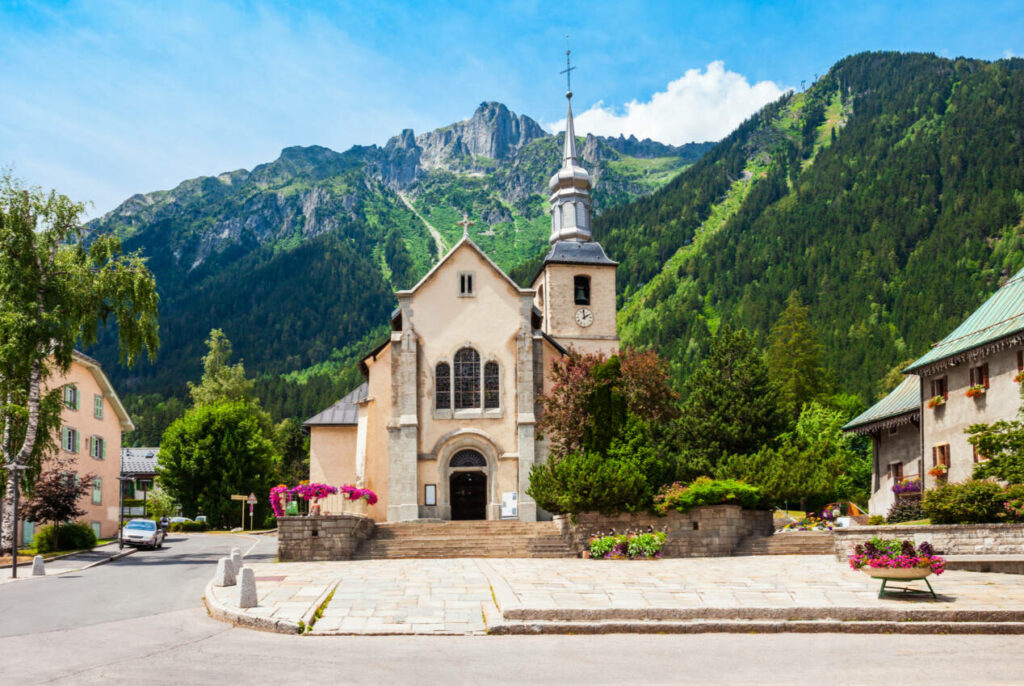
{"x": 568, "y": 69}
{"x": 465, "y": 224}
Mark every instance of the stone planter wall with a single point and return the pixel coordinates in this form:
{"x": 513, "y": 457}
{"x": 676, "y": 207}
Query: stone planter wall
{"x": 713, "y": 531}
{"x": 948, "y": 539}
{"x": 330, "y": 537}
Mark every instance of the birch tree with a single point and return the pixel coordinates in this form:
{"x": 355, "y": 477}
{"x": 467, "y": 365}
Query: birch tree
{"x": 58, "y": 286}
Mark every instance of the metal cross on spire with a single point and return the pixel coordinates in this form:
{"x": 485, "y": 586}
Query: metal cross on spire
{"x": 568, "y": 69}
{"x": 465, "y": 224}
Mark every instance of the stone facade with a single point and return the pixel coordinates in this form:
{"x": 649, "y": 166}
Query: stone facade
{"x": 944, "y": 425}
{"x": 947, "y": 539}
{"x": 896, "y": 450}
{"x": 713, "y": 531}
{"x": 331, "y": 537}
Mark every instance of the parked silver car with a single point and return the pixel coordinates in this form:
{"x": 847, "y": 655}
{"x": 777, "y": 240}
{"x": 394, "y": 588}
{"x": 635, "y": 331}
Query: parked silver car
{"x": 141, "y": 533}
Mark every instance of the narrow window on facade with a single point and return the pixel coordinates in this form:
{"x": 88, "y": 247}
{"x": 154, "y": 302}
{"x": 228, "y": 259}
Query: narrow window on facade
{"x": 581, "y": 290}
{"x": 98, "y": 448}
{"x": 492, "y": 386}
{"x": 940, "y": 455}
{"x": 71, "y": 397}
{"x": 467, "y": 379}
{"x": 1020, "y": 360}
{"x": 97, "y": 490}
{"x": 69, "y": 440}
{"x": 896, "y": 471}
{"x": 466, "y": 284}
{"x": 979, "y": 375}
{"x": 939, "y": 387}
{"x": 97, "y": 406}
{"x": 442, "y": 386}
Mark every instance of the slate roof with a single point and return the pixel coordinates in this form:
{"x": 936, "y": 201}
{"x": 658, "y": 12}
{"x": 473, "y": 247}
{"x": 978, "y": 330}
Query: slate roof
{"x": 1000, "y": 316}
{"x": 344, "y": 412}
{"x": 573, "y": 252}
{"x": 139, "y": 460}
{"x": 905, "y": 399}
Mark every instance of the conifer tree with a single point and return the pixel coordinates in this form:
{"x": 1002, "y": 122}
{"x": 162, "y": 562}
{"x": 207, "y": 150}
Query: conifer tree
{"x": 794, "y": 358}
{"x": 731, "y": 406}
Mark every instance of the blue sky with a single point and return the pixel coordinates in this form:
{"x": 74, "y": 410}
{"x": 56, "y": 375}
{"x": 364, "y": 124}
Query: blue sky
{"x": 105, "y": 99}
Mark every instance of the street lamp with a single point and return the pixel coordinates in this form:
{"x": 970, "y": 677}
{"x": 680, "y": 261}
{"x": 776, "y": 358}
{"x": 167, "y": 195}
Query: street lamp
{"x": 120, "y": 510}
{"x": 17, "y": 469}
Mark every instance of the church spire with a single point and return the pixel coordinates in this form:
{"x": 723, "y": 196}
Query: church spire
{"x": 570, "y": 186}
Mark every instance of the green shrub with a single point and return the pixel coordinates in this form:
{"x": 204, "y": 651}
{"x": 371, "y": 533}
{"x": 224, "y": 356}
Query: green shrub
{"x": 969, "y": 502}
{"x": 907, "y": 508}
{"x": 587, "y": 482}
{"x": 73, "y": 536}
{"x": 876, "y": 520}
{"x": 188, "y": 526}
{"x": 1013, "y": 504}
{"x": 705, "y": 491}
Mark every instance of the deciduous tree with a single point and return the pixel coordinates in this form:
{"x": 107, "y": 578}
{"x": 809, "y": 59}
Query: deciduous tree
{"x": 56, "y": 290}
{"x": 56, "y": 498}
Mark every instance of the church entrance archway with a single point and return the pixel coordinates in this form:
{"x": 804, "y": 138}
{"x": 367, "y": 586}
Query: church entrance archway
{"x": 469, "y": 495}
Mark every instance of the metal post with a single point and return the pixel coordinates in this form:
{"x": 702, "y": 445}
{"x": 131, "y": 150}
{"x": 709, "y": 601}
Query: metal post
{"x": 243, "y": 515}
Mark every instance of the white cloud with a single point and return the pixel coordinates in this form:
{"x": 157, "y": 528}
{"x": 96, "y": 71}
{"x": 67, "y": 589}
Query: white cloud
{"x": 1007, "y": 54}
{"x": 701, "y": 106}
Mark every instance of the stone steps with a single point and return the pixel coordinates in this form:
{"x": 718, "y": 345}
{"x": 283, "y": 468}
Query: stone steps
{"x": 423, "y": 540}
{"x": 794, "y": 543}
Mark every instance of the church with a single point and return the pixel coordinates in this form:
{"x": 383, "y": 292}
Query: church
{"x": 444, "y": 426}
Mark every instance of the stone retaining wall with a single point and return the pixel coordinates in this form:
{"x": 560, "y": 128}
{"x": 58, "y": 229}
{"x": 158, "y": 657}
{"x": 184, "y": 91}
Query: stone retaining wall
{"x": 712, "y": 531}
{"x": 948, "y": 539}
{"x": 330, "y": 537}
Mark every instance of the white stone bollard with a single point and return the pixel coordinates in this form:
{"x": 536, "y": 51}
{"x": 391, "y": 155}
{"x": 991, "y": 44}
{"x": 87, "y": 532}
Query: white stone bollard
{"x": 247, "y": 588}
{"x": 37, "y": 566}
{"x": 225, "y": 575}
{"x": 236, "y": 559}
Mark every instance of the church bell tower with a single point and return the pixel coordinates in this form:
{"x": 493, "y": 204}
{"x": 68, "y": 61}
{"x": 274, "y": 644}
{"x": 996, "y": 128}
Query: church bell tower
{"x": 576, "y": 286}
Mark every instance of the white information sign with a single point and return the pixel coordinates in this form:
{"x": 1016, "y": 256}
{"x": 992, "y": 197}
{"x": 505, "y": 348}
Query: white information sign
{"x": 509, "y": 505}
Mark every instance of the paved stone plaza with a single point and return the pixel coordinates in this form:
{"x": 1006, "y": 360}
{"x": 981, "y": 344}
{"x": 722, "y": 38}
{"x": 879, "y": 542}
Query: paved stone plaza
{"x": 470, "y": 596}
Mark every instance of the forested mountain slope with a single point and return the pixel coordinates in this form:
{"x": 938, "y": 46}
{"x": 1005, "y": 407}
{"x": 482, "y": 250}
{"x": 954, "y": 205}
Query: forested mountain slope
{"x": 889, "y": 195}
{"x": 297, "y": 260}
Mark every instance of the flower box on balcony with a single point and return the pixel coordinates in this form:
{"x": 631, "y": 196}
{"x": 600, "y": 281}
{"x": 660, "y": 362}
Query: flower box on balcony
{"x": 936, "y": 401}
{"x": 976, "y": 391}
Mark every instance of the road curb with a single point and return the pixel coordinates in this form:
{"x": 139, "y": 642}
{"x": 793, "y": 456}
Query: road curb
{"x": 237, "y": 617}
{"x": 527, "y": 628}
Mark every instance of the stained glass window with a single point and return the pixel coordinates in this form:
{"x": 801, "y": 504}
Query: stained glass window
{"x": 491, "y": 386}
{"x": 442, "y": 386}
{"x": 467, "y": 379}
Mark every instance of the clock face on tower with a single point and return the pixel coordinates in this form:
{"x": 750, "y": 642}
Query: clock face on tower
{"x": 584, "y": 317}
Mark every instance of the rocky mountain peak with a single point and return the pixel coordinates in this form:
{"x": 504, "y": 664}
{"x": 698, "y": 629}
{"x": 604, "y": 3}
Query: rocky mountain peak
{"x": 494, "y": 132}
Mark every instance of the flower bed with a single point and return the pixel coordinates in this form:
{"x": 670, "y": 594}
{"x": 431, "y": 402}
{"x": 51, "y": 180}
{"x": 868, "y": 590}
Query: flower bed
{"x": 644, "y": 545}
{"x": 892, "y": 553}
{"x": 936, "y": 401}
{"x": 810, "y": 523}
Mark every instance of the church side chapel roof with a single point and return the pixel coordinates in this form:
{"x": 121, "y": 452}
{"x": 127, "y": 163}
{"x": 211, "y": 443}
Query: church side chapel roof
{"x": 999, "y": 317}
{"x": 901, "y": 406}
{"x": 139, "y": 460}
{"x": 345, "y": 412}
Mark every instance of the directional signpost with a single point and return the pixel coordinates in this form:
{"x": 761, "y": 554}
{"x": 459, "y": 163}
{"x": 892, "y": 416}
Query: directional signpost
{"x": 252, "y": 502}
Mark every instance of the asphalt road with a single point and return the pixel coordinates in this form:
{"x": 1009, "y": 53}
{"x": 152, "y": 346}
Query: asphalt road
{"x": 139, "y": 620}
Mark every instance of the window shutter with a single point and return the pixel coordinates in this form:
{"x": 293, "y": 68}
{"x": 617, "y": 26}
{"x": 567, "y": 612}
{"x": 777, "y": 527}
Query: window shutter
{"x": 76, "y": 439}
{"x": 984, "y": 374}
{"x": 935, "y": 458}
{"x": 971, "y": 382}
{"x": 1020, "y": 360}
{"x": 103, "y": 449}
{"x": 64, "y": 437}
{"x": 945, "y": 388}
